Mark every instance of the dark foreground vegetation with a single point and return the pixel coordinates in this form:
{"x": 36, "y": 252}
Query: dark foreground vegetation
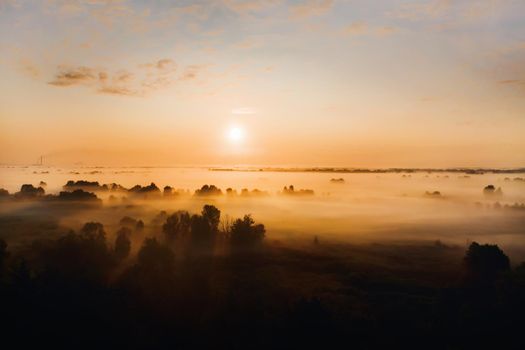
{"x": 200, "y": 281}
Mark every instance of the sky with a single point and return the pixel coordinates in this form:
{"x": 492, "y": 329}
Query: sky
{"x": 347, "y": 83}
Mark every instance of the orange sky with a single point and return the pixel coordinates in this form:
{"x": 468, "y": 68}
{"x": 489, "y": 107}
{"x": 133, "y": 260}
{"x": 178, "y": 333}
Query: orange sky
{"x": 312, "y": 83}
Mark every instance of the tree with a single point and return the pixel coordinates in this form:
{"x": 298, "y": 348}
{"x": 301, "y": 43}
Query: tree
{"x": 205, "y": 227}
{"x": 123, "y": 243}
{"x": 93, "y": 231}
{"x": 3, "y": 253}
{"x": 29, "y": 191}
{"x": 244, "y": 232}
{"x": 154, "y": 257}
{"x": 212, "y": 215}
{"x": 128, "y": 221}
{"x": 151, "y": 188}
{"x": 168, "y": 191}
{"x": 201, "y": 230}
{"x": 3, "y": 249}
{"x": 83, "y": 257}
{"x": 210, "y": 190}
{"x": 78, "y": 195}
{"x": 176, "y": 225}
{"x": 485, "y": 262}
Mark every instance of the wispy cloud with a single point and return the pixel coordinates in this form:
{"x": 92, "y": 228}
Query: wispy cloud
{"x": 356, "y": 28}
{"x": 448, "y": 12}
{"x": 147, "y": 78}
{"x": 511, "y": 81}
{"x": 311, "y": 8}
{"x": 191, "y": 72}
{"x": 518, "y": 84}
{"x": 28, "y": 68}
{"x": 362, "y": 28}
{"x": 244, "y": 111}
{"x": 68, "y": 76}
{"x": 423, "y": 9}
{"x": 250, "y": 6}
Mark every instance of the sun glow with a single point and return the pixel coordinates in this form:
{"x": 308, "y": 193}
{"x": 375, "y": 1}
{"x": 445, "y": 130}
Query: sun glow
{"x": 236, "y": 134}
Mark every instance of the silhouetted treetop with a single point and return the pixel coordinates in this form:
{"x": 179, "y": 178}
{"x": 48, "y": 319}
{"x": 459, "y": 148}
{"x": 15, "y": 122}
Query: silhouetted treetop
{"x": 433, "y": 194}
{"x": 290, "y": 190}
{"x": 83, "y": 257}
{"x": 176, "y": 225}
{"x": 78, "y": 195}
{"x": 485, "y": 262}
{"x": 245, "y": 232}
{"x": 253, "y": 193}
{"x": 122, "y": 243}
{"x": 202, "y": 232}
{"x": 154, "y": 256}
{"x": 29, "y": 191}
{"x": 168, "y": 192}
{"x": 93, "y": 186}
{"x": 3, "y": 253}
{"x": 213, "y": 215}
{"x": 159, "y": 218}
{"x": 82, "y": 184}
{"x": 116, "y": 187}
{"x": 150, "y": 189}
{"x": 208, "y": 190}
{"x": 128, "y": 221}
{"x": 490, "y": 190}
{"x": 93, "y": 231}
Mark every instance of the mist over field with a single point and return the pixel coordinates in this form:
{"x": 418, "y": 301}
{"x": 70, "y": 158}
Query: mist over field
{"x": 393, "y": 207}
{"x": 151, "y": 257}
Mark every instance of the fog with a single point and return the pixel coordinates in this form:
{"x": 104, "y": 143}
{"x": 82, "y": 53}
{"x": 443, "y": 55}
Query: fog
{"x": 114, "y": 256}
{"x": 394, "y": 207}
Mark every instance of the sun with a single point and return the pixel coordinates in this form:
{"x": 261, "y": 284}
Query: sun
{"x": 235, "y": 134}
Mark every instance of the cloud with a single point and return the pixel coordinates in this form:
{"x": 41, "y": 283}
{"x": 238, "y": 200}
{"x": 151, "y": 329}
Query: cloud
{"x": 311, "y": 8}
{"x": 450, "y": 14}
{"x": 518, "y": 84}
{"x": 357, "y": 28}
{"x": 7, "y": 4}
{"x": 118, "y": 90}
{"x": 362, "y": 28}
{"x": 160, "y": 67}
{"x": 249, "y": 43}
{"x": 28, "y": 68}
{"x": 422, "y": 10}
{"x": 147, "y": 78}
{"x": 385, "y": 30}
{"x": 250, "y": 6}
{"x": 506, "y": 65}
{"x": 511, "y": 81}
{"x": 191, "y": 72}
{"x": 68, "y": 76}
{"x": 244, "y": 111}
